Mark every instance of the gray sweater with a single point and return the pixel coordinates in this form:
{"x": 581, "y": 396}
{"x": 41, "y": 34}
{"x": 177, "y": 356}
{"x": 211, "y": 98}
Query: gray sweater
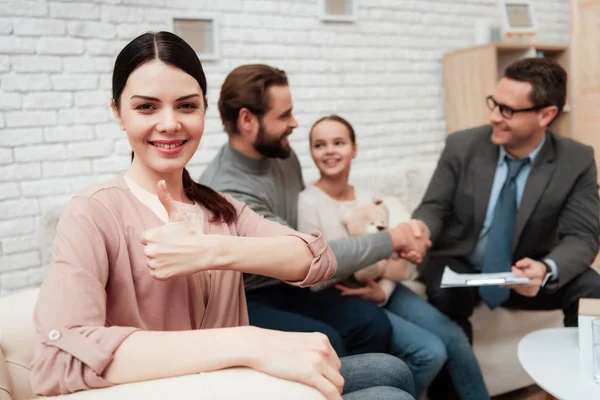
{"x": 271, "y": 188}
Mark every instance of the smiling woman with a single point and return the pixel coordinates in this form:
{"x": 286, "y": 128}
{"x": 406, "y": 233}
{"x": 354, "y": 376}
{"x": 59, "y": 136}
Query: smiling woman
{"x": 164, "y": 119}
{"x": 137, "y": 266}
{"x": 421, "y": 335}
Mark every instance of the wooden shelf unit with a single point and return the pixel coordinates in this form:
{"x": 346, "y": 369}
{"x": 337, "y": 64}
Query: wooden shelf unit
{"x": 471, "y": 74}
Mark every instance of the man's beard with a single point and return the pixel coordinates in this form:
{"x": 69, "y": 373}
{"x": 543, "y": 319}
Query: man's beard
{"x": 271, "y": 147}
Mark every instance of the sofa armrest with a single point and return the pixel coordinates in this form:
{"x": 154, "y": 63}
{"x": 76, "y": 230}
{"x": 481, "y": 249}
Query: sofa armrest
{"x": 234, "y": 383}
{"x": 5, "y": 382}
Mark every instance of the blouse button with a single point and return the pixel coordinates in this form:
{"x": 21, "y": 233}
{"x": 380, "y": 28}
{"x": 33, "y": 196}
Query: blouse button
{"x": 54, "y": 335}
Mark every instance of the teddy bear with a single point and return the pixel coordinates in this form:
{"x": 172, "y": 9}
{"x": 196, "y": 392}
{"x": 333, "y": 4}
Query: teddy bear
{"x": 373, "y": 218}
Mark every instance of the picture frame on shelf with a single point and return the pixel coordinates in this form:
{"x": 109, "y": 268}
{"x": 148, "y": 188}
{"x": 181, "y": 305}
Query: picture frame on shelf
{"x": 518, "y": 18}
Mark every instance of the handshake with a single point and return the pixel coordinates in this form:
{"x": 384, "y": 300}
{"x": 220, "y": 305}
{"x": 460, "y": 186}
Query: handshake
{"x": 411, "y": 240}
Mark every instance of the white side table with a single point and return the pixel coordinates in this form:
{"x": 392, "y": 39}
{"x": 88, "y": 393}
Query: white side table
{"x": 551, "y": 358}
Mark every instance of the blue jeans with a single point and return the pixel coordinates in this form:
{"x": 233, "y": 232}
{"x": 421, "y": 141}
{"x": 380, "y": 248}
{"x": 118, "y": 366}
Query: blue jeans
{"x": 353, "y": 325}
{"x": 426, "y": 339}
{"x": 376, "y": 377}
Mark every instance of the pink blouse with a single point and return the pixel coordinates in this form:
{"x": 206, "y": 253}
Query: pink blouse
{"x": 98, "y": 290}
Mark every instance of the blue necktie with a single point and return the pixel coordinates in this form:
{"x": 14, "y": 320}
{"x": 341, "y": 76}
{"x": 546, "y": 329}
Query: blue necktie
{"x": 498, "y": 250}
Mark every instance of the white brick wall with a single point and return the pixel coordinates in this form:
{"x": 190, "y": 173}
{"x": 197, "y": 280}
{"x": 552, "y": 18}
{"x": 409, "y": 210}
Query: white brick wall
{"x": 383, "y": 72}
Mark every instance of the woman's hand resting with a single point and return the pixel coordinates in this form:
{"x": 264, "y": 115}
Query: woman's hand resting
{"x": 307, "y": 358}
{"x": 178, "y": 248}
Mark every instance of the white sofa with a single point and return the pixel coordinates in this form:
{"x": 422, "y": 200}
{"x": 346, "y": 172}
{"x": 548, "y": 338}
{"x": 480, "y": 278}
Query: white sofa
{"x": 495, "y": 347}
{"x": 17, "y": 337}
{"x": 496, "y": 337}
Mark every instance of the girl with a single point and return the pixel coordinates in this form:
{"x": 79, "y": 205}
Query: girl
{"x": 146, "y": 279}
{"x": 421, "y": 335}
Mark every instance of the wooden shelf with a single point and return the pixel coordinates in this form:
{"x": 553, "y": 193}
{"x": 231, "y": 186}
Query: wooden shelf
{"x": 585, "y": 40}
{"x": 523, "y": 46}
{"x": 506, "y": 46}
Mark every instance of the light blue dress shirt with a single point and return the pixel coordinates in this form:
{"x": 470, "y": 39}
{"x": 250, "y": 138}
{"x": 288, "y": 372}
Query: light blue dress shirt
{"x": 476, "y": 257}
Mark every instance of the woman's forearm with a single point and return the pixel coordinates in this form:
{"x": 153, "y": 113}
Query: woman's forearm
{"x": 148, "y": 355}
{"x": 286, "y": 258}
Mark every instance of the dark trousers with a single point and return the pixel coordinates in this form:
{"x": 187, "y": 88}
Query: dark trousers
{"x": 353, "y": 325}
{"x": 458, "y": 304}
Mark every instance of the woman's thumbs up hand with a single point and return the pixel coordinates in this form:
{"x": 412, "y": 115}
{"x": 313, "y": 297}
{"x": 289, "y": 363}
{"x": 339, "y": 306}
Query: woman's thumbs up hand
{"x": 177, "y": 248}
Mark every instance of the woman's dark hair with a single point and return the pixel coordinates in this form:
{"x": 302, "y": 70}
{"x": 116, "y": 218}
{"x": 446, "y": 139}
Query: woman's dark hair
{"x": 171, "y": 50}
{"x": 335, "y": 118}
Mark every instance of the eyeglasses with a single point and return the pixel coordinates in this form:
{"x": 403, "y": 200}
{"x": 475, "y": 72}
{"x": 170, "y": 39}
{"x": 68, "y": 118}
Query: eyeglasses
{"x": 508, "y": 112}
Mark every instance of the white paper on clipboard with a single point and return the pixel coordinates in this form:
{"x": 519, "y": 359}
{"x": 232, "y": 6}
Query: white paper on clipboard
{"x": 452, "y": 279}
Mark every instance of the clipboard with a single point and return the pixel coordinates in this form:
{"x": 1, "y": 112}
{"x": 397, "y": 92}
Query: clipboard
{"x": 451, "y": 279}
